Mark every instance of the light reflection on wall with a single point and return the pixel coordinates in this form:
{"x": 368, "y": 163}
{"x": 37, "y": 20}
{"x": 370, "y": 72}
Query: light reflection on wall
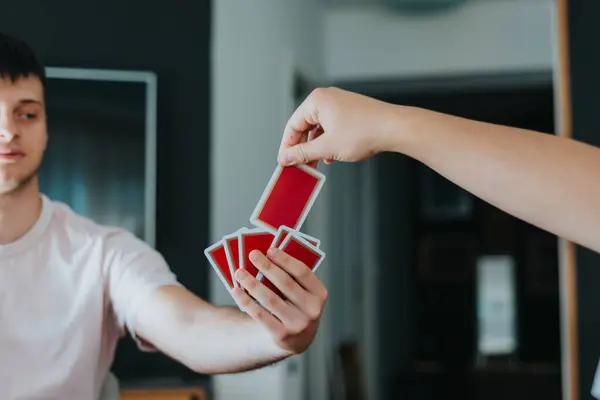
{"x": 96, "y": 150}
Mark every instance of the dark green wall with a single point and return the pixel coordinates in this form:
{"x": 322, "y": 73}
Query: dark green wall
{"x": 173, "y": 41}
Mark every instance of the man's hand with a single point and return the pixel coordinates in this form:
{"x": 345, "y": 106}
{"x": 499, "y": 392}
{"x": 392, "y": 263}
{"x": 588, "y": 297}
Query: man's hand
{"x": 213, "y": 339}
{"x": 293, "y": 322}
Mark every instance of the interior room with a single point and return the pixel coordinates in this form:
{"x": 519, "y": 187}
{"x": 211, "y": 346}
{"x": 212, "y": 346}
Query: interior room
{"x": 167, "y": 121}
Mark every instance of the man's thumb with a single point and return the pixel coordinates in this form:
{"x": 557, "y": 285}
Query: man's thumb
{"x": 303, "y": 153}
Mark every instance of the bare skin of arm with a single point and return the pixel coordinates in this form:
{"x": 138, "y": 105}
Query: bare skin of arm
{"x": 213, "y": 339}
{"x": 549, "y": 181}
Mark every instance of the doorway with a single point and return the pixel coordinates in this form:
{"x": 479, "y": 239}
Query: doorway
{"x": 432, "y": 237}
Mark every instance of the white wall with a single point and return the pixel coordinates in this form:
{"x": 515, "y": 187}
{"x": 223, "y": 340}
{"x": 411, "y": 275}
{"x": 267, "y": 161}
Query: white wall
{"x": 365, "y": 41}
{"x": 480, "y": 36}
{"x": 255, "y": 46}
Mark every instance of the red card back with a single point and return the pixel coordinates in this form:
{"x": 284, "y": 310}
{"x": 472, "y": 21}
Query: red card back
{"x": 288, "y": 199}
{"x": 280, "y": 239}
{"x": 219, "y": 260}
{"x": 302, "y": 252}
{"x": 232, "y": 243}
{"x": 251, "y": 241}
{"x": 284, "y": 234}
{"x": 313, "y": 242}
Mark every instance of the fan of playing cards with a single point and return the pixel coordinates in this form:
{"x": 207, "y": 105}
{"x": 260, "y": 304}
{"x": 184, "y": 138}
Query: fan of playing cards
{"x": 277, "y": 218}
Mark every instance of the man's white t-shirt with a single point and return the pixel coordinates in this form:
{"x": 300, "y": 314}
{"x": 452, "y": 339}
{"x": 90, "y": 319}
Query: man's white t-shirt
{"x": 68, "y": 290}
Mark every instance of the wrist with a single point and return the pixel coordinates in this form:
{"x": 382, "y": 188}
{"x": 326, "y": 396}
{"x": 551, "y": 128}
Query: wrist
{"x": 269, "y": 347}
{"x": 396, "y": 128}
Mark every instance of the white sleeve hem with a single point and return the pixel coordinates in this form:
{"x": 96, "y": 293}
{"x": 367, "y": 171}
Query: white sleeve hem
{"x": 130, "y": 318}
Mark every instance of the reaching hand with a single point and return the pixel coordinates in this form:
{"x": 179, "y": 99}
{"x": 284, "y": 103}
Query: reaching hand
{"x": 292, "y": 322}
{"x": 336, "y": 125}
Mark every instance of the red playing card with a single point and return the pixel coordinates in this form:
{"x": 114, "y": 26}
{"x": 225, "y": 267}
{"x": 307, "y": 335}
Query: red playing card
{"x": 249, "y": 241}
{"x": 288, "y": 198}
{"x": 218, "y": 260}
{"x": 283, "y": 231}
{"x": 298, "y": 248}
{"x": 232, "y": 252}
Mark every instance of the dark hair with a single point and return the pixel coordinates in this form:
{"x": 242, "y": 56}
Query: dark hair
{"x": 18, "y": 60}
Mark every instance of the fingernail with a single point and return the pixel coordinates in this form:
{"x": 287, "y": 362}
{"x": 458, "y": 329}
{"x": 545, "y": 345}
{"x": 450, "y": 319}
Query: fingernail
{"x": 242, "y": 273}
{"x": 254, "y": 255}
{"x": 287, "y": 158}
{"x": 273, "y": 251}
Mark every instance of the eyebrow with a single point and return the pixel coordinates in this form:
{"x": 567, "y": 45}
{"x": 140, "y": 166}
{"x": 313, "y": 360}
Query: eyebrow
{"x": 31, "y": 101}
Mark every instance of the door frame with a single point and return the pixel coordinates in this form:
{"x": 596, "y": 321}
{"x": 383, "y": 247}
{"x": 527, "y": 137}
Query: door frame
{"x": 559, "y": 77}
{"x": 567, "y": 256}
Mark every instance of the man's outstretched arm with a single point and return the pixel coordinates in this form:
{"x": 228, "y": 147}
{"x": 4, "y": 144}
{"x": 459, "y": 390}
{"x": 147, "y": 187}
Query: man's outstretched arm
{"x": 549, "y": 181}
{"x": 214, "y": 340}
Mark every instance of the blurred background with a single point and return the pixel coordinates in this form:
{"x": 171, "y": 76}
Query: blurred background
{"x": 166, "y": 118}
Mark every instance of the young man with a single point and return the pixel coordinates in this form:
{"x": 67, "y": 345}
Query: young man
{"x": 69, "y": 287}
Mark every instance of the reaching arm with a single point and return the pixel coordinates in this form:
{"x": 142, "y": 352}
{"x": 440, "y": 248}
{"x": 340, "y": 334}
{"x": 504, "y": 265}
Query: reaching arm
{"x": 549, "y": 181}
{"x": 215, "y": 340}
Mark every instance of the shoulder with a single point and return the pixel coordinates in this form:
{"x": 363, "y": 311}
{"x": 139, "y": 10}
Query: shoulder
{"x": 77, "y": 224}
{"x": 83, "y": 232}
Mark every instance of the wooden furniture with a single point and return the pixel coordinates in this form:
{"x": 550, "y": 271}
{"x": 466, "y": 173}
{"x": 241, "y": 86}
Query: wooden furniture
{"x": 191, "y": 393}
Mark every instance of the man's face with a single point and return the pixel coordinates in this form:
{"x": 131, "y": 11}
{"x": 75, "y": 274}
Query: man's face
{"x": 23, "y": 133}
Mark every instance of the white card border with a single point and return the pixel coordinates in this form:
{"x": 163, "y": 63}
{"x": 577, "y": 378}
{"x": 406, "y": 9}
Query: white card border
{"x": 214, "y": 265}
{"x": 301, "y": 234}
{"x": 241, "y": 244}
{"x": 306, "y": 244}
{"x": 229, "y": 255}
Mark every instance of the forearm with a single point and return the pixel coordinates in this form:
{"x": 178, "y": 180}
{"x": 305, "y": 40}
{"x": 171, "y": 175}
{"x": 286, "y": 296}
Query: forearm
{"x": 204, "y": 337}
{"x": 549, "y": 181}
{"x": 227, "y": 340}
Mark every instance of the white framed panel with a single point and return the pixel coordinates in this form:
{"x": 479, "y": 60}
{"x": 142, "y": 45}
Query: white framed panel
{"x": 86, "y": 84}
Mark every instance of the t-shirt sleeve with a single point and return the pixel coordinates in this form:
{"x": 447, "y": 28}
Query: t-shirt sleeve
{"x": 134, "y": 270}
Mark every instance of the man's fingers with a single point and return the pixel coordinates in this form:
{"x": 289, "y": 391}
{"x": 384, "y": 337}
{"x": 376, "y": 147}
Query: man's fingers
{"x": 252, "y": 308}
{"x": 266, "y": 298}
{"x": 295, "y": 293}
{"x": 301, "y": 273}
{"x": 306, "y": 278}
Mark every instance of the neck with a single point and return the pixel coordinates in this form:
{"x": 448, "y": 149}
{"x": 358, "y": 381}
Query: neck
{"x": 19, "y": 211}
